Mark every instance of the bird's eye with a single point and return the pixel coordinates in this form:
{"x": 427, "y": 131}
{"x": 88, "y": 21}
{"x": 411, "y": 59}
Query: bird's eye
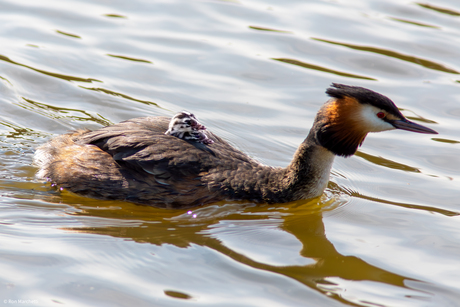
{"x": 381, "y": 115}
{"x": 187, "y": 121}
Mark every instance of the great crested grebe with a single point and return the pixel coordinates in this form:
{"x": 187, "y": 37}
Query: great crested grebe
{"x": 178, "y": 164}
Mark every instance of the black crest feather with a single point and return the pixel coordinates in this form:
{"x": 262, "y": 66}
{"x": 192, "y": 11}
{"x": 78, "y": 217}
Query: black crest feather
{"x": 365, "y": 96}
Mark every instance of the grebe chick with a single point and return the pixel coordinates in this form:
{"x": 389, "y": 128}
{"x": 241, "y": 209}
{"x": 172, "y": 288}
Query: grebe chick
{"x": 184, "y": 125}
{"x": 136, "y": 161}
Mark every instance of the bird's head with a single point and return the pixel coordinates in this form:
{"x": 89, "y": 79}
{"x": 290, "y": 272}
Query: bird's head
{"x": 352, "y": 112}
{"x": 183, "y": 122}
{"x": 184, "y": 125}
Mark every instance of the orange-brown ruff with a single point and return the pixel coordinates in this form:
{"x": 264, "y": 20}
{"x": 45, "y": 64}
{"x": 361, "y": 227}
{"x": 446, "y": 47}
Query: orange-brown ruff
{"x": 136, "y": 161}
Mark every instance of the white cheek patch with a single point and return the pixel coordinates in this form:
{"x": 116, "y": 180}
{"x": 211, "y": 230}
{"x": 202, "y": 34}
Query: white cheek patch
{"x": 369, "y": 119}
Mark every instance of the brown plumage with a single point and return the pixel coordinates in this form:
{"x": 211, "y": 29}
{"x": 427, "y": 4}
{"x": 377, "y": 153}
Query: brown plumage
{"x": 136, "y": 161}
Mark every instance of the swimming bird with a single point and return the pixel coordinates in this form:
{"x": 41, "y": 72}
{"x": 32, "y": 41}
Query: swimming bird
{"x": 137, "y": 161}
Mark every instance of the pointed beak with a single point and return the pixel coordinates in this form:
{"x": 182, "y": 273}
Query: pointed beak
{"x": 405, "y": 124}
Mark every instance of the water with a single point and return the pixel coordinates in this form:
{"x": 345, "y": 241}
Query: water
{"x": 385, "y": 233}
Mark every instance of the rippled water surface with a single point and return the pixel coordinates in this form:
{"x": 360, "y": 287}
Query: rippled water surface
{"x": 385, "y": 233}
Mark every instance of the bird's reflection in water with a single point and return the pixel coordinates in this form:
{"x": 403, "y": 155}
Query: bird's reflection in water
{"x": 302, "y": 220}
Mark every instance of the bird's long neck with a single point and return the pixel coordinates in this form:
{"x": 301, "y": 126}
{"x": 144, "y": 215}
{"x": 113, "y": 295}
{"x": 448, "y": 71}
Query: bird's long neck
{"x": 308, "y": 173}
{"x": 305, "y": 177}
{"x": 334, "y": 132}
